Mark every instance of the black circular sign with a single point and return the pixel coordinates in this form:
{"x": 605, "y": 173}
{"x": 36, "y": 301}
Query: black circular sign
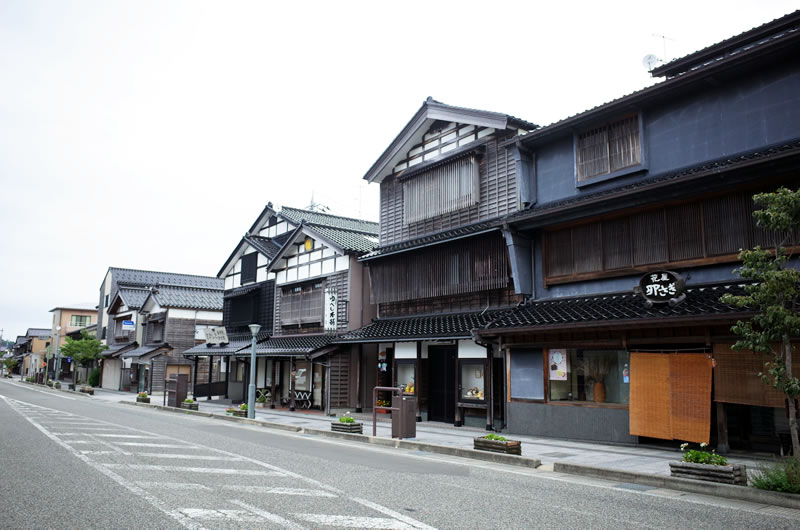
{"x": 661, "y": 286}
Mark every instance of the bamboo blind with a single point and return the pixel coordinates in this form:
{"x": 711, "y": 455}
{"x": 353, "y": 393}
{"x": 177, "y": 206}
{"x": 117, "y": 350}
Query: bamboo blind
{"x": 736, "y": 378}
{"x": 609, "y": 148}
{"x": 671, "y": 396}
{"x": 441, "y": 190}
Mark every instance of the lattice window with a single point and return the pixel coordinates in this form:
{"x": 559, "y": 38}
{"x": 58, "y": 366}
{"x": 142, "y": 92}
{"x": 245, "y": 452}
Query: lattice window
{"x": 302, "y": 304}
{"x": 609, "y": 148}
{"x": 441, "y": 190}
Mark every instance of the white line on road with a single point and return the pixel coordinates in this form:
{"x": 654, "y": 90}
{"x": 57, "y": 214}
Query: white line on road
{"x": 189, "y": 469}
{"x": 391, "y": 513}
{"x": 166, "y": 446}
{"x": 239, "y": 516}
{"x": 173, "y": 485}
{"x": 190, "y": 457}
{"x": 43, "y": 392}
{"x": 151, "y": 437}
{"x": 279, "y": 491}
{"x": 271, "y": 517}
{"x": 353, "y": 522}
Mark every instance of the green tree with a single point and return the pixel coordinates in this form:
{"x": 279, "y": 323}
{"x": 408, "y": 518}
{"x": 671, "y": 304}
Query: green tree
{"x": 83, "y": 351}
{"x": 774, "y": 295}
{"x": 10, "y": 364}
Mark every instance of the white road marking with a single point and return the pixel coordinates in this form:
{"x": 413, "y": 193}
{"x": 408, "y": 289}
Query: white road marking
{"x": 391, "y": 513}
{"x": 73, "y": 442}
{"x": 189, "y": 469}
{"x": 271, "y": 517}
{"x": 240, "y": 516}
{"x": 90, "y": 452}
{"x": 114, "y": 448}
{"x": 166, "y": 446}
{"x": 43, "y": 392}
{"x": 152, "y": 500}
{"x": 349, "y": 521}
{"x": 150, "y": 437}
{"x": 279, "y": 491}
{"x": 173, "y": 485}
{"x": 190, "y": 457}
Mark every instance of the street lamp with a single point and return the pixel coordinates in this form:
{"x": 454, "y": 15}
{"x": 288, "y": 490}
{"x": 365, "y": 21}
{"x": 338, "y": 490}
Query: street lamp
{"x": 57, "y": 362}
{"x": 251, "y": 391}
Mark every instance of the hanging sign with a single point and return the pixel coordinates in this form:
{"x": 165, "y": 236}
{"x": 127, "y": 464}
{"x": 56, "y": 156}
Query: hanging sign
{"x": 331, "y": 310}
{"x": 216, "y": 335}
{"x": 661, "y": 287}
{"x": 558, "y": 365}
{"x": 128, "y": 325}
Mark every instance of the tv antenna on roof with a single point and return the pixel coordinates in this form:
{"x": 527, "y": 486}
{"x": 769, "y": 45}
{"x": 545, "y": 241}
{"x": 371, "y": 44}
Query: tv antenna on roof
{"x": 664, "y": 40}
{"x": 650, "y": 61}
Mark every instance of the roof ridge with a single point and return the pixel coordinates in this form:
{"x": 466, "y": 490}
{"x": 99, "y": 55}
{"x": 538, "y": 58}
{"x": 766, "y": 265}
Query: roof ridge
{"x": 163, "y": 272}
{"x": 329, "y": 215}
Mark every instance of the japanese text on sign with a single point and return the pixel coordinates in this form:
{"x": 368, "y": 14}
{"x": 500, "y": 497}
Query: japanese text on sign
{"x": 331, "y": 307}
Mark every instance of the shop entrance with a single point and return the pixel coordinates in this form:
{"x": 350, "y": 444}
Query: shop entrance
{"x": 442, "y": 381}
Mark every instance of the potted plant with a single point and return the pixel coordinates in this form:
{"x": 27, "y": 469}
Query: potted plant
{"x": 142, "y": 398}
{"x": 261, "y": 401}
{"x": 699, "y": 464}
{"x": 384, "y": 403}
{"x": 57, "y": 385}
{"x": 50, "y": 383}
{"x": 241, "y": 412}
{"x": 498, "y": 444}
{"x": 86, "y": 389}
{"x": 189, "y": 404}
{"x": 229, "y": 411}
{"x": 347, "y": 424}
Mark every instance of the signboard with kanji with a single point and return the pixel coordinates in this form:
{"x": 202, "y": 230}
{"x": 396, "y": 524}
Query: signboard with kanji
{"x": 331, "y": 310}
{"x": 216, "y": 335}
{"x": 661, "y": 286}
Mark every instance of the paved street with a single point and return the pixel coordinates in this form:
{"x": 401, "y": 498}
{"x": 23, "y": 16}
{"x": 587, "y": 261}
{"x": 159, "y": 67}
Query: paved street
{"x": 70, "y": 461}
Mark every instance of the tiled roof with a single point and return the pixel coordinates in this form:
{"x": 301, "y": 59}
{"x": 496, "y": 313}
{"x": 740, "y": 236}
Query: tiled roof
{"x": 237, "y": 342}
{"x": 352, "y": 241}
{"x": 189, "y": 298}
{"x": 441, "y": 237}
{"x": 457, "y": 325}
{"x": 266, "y": 245}
{"x": 38, "y": 332}
{"x": 134, "y": 298}
{"x": 292, "y": 345}
{"x": 139, "y": 278}
{"x": 115, "y": 350}
{"x": 701, "y": 301}
{"x": 144, "y": 351}
{"x": 728, "y": 163}
{"x": 296, "y": 216}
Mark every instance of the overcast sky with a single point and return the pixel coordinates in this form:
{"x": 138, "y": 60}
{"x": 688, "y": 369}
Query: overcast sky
{"x": 150, "y": 135}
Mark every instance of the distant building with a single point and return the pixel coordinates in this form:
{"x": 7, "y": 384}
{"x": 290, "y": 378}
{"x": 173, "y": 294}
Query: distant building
{"x": 68, "y": 319}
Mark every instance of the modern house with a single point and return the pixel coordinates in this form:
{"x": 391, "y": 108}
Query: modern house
{"x": 66, "y": 320}
{"x": 140, "y": 355}
{"x": 441, "y": 268}
{"x": 295, "y": 273}
{"x": 639, "y": 209}
{"x": 32, "y": 349}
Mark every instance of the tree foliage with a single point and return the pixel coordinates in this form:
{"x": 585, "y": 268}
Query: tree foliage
{"x": 84, "y": 350}
{"x": 10, "y": 364}
{"x": 774, "y": 295}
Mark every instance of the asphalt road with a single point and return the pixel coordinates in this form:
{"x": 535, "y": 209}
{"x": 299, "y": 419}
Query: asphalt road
{"x": 68, "y": 461}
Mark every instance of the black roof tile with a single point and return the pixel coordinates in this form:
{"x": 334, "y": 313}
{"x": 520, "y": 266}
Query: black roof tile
{"x": 292, "y": 344}
{"x": 189, "y": 298}
{"x": 454, "y": 325}
{"x": 140, "y": 278}
{"x": 441, "y": 237}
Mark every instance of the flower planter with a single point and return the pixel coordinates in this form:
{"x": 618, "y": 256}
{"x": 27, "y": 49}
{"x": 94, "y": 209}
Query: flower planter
{"x": 732, "y": 474}
{"x": 352, "y": 428}
{"x": 262, "y": 405}
{"x": 87, "y": 390}
{"x": 189, "y": 406}
{"x": 240, "y": 413}
{"x": 508, "y": 447}
{"x": 142, "y": 399}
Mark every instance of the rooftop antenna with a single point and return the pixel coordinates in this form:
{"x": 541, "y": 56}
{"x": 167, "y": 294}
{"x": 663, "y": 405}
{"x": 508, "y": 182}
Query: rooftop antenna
{"x": 650, "y": 61}
{"x": 664, "y": 40}
{"x": 315, "y": 206}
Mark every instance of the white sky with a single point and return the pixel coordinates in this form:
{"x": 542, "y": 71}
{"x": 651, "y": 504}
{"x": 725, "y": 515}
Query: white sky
{"x": 150, "y": 135}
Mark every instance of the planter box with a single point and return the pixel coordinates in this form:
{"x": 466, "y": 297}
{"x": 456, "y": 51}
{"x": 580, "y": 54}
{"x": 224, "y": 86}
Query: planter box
{"x": 87, "y": 390}
{"x": 509, "y": 447}
{"x": 189, "y": 406}
{"x": 240, "y": 413}
{"x": 142, "y": 399}
{"x": 352, "y": 428}
{"x": 733, "y": 474}
{"x": 261, "y": 405}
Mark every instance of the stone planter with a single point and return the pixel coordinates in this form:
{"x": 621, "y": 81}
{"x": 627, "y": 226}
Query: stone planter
{"x": 58, "y": 386}
{"x": 189, "y": 406}
{"x": 732, "y": 474}
{"x": 508, "y": 447}
{"x": 142, "y": 399}
{"x": 352, "y": 428}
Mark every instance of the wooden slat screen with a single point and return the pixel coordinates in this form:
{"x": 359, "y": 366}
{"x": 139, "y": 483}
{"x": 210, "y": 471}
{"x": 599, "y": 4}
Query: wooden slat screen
{"x": 464, "y": 266}
{"x": 710, "y": 228}
{"x": 736, "y": 378}
{"x": 608, "y": 148}
{"x": 671, "y": 396}
{"x": 441, "y": 190}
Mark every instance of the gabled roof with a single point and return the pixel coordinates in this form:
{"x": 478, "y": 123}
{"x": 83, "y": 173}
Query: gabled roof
{"x": 236, "y": 342}
{"x": 257, "y": 225}
{"x": 140, "y": 278}
{"x": 430, "y": 112}
{"x": 442, "y": 326}
{"x": 146, "y": 352}
{"x": 346, "y": 233}
{"x": 618, "y": 309}
{"x": 133, "y": 298}
{"x": 38, "y": 333}
{"x": 760, "y": 35}
{"x": 188, "y": 298}
{"x": 312, "y": 218}
{"x": 268, "y": 246}
{"x": 81, "y": 306}
{"x": 434, "y": 239}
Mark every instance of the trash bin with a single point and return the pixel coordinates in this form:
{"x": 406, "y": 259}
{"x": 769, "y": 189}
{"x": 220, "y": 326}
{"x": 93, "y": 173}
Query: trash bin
{"x": 404, "y": 424}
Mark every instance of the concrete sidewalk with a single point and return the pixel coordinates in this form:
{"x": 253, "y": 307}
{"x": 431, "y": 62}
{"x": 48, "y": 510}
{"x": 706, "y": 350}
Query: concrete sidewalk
{"x": 638, "y": 459}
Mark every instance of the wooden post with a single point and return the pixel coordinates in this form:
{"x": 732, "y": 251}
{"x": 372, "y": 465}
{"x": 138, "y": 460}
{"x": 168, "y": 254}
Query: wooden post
{"x": 194, "y": 386}
{"x": 210, "y": 372}
{"x": 458, "y": 422}
{"x": 293, "y": 374}
{"x": 487, "y": 390}
{"x": 722, "y": 429}
{"x": 417, "y": 370}
{"x": 273, "y": 389}
{"x": 227, "y": 374}
{"x": 359, "y": 407}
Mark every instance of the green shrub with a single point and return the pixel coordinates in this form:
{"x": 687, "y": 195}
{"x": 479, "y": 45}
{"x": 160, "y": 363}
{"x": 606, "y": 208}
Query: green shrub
{"x": 243, "y": 406}
{"x": 188, "y": 400}
{"x": 700, "y": 456}
{"x": 94, "y": 377}
{"x": 495, "y": 438}
{"x": 346, "y": 419}
{"x": 782, "y": 475}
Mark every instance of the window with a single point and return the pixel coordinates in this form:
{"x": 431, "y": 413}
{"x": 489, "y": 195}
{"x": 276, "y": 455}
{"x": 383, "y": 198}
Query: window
{"x": 600, "y": 376}
{"x": 441, "y": 190}
{"x": 242, "y": 310}
{"x": 527, "y": 377}
{"x": 105, "y": 302}
{"x": 608, "y": 148}
{"x": 80, "y": 320}
{"x": 155, "y": 331}
{"x": 302, "y": 304}
{"x": 103, "y": 335}
{"x": 472, "y": 380}
{"x": 249, "y": 262}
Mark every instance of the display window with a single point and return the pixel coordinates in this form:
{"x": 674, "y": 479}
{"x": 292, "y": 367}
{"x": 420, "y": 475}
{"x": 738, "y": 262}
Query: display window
{"x": 473, "y": 377}
{"x": 599, "y": 376}
{"x": 302, "y": 376}
{"x": 405, "y": 375}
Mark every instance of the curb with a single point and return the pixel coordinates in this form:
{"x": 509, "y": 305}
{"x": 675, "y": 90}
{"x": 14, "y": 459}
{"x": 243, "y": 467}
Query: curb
{"x": 497, "y": 458}
{"x": 58, "y": 389}
{"x": 729, "y": 491}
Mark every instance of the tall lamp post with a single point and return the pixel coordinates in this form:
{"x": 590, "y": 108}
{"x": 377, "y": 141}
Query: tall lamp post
{"x": 57, "y": 361}
{"x": 251, "y": 390}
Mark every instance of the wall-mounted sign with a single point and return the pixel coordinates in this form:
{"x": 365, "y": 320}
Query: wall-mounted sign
{"x": 558, "y": 365}
{"x": 331, "y": 310}
{"x": 661, "y": 287}
{"x": 128, "y": 325}
{"x": 216, "y": 335}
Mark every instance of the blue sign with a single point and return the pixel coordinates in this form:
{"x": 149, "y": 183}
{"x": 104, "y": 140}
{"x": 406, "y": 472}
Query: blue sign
{"x": 69, "y": 359}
